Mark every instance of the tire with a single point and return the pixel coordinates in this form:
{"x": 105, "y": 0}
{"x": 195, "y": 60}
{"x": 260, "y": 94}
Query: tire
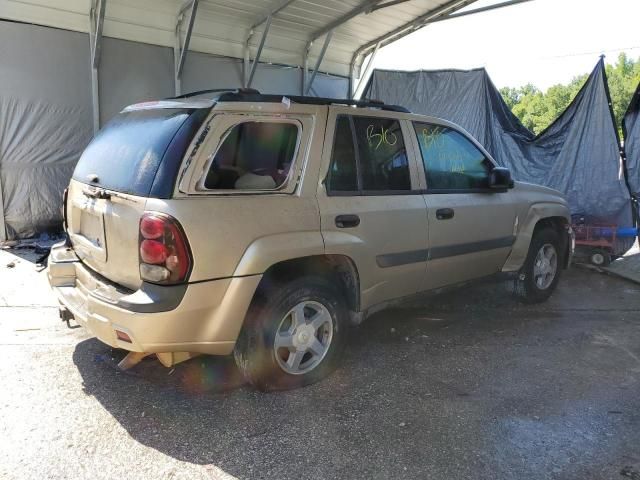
{"x": 271, "y": 334}
{"x": 531, "y": 286}
{"x": 600, "y": 258}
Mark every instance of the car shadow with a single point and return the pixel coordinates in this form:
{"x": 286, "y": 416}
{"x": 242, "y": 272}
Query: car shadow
{"x": 201, "y": 411}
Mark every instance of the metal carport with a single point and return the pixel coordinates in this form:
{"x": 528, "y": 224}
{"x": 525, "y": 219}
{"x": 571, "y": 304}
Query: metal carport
{"x": 330, "y": 36}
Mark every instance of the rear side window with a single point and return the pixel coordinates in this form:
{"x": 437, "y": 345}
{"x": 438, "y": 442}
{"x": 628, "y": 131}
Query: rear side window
{"x": 343, "y": 173}
{"x": 127, "y": 153}
{"x": 451, "y": 161}
{"x": 369, "y": 156}
{"x": 253, "y": 156}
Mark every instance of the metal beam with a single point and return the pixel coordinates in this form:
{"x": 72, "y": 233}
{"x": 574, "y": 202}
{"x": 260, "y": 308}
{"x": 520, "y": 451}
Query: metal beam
{"x": 407, "y": 28}
{"x": 366, "y": 73}
{"x": 185, "y": 6}
{"x": 96, "y": 45}
{"x": 390, "y": 3}
{"x": 445, "y": 12}
{"x": 481, "y": 9}
{"x": 363, "y": 8}
{"x": 256, "y": 60}
{"x": 184, "y": 45}
{"x": 327, "y": 40}
{"x": 3, "y": 228}
{"x": 272, "y": 13}
{"x": 305, "y": 68}
{"x": 247, "y": 77}
{"x": 176, "y": 58}
{"x": 96, "y": 21}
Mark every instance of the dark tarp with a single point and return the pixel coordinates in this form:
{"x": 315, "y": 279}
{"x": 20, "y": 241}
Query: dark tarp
{"x": 578, "y": 154}
{"x": 631, "y": 128}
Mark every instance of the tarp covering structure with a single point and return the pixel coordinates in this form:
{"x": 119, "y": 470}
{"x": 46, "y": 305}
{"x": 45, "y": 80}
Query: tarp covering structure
{"x": 631, "y": 129}
{"x": 578, "y": 154}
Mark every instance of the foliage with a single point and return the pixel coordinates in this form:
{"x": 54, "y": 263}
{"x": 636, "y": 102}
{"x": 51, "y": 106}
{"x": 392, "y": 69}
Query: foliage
{"x": 537, "y": 110}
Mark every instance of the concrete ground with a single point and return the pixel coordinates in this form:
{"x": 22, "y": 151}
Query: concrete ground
{"x": 628, "y": 266}
{"x": 470, "y": 385}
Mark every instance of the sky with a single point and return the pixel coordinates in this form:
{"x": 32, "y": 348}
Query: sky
{"x": 543, "y": 42}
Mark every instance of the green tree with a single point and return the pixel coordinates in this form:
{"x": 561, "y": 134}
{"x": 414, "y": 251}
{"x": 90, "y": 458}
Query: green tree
{"x": 537, "y": 110}
{"x": 623, "y": 78}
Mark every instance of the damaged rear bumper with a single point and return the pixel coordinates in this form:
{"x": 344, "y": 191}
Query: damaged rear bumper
{"x": 203, "y": 317}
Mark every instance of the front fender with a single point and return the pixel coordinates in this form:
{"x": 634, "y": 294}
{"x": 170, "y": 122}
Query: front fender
{"x": 267, "y": 251}
{"x": 536, "y": 212}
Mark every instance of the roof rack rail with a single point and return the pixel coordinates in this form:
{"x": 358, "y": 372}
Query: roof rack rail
{"x": 254, "y": 96}
{"x": 215, "y": 90}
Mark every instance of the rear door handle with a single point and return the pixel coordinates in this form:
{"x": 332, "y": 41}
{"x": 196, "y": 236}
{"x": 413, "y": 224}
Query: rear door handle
{"x": 347, "y": 221}
{"x": 444, "y": 213}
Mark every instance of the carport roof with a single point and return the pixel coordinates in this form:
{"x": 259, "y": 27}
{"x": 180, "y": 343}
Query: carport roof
{"x": 223, "y": 27}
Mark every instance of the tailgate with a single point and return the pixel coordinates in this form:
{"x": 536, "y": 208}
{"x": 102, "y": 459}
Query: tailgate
{"x": 104, "y": 232}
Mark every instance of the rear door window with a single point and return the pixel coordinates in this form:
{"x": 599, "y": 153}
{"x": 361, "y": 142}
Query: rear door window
{"x": 127, "y": 153}
{"x": 253, "y": 156}
{"x": 369, "y": 157}
{"x": 383, "y": 157}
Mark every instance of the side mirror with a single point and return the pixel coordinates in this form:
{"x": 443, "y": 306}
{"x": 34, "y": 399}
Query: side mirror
{"x": 500, "y": 179}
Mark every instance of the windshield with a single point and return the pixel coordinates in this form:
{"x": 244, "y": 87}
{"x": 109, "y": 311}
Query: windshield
{"x": 127, "y": 152}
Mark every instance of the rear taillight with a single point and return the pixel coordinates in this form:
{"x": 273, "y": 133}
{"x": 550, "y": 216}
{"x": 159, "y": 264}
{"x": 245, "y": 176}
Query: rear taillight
{"x": 165, "y": 256}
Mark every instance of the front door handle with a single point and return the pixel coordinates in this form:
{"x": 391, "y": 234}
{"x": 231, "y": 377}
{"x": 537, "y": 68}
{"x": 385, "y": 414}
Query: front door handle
{"x": 444, "y": 213}
{"x": 347, "y": 221}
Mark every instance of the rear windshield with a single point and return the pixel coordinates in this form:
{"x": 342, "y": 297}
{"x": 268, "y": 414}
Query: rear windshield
{"x": 127, "y": 152}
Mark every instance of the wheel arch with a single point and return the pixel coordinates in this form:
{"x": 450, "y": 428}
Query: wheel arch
{"x": 539, "y": 215}
{"x": 340, "y": 268}
{"x": 283, "y": 257}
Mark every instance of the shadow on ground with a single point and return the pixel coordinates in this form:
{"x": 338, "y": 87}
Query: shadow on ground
{"x": 469, "y": 385}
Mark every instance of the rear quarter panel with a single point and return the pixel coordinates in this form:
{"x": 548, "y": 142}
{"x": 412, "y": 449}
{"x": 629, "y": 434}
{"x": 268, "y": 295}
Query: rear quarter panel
{"x": 244, "y": 234}
{"x": 221, "y": 230}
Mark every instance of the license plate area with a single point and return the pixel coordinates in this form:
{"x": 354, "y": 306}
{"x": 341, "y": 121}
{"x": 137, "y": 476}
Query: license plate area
{"x": 89, "y": 236}
{"x": 92, "y": 228}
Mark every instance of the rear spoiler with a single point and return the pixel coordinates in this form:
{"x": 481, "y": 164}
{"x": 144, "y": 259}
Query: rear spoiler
{"x": 194, "y": 103}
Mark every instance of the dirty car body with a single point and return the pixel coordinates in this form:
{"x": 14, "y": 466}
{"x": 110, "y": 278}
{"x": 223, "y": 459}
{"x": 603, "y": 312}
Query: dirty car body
{"x": 262, "y": 225}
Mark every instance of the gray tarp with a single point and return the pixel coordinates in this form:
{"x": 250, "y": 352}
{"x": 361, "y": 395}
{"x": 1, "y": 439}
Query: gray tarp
{"x": 631, "y": 127}
{"x": 577, "y": 155}
{"x": 45, "y": 122}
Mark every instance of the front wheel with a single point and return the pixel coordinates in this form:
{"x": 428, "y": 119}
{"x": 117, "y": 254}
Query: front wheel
{"x": 540, "y": 273}
{"x": 294, "y": 334}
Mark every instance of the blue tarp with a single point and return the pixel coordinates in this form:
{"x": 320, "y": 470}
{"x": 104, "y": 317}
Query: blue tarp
{"x": 631, "y": 128}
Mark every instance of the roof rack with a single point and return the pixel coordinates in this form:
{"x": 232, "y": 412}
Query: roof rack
{"x": 216, "y": 90}
{"x": 252, "y": 95}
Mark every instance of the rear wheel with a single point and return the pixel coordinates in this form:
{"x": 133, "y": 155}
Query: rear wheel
{"x": 293, "y": 335}
{"x": 540, "y": 273}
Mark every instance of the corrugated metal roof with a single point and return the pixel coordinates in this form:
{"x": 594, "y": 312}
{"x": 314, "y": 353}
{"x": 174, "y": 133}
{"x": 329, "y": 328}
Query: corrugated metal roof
{"x": 222, "y": 26}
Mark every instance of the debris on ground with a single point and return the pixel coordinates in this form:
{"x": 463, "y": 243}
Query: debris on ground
{"x": 11, "y": 264}
{"x": 40, "y": 246}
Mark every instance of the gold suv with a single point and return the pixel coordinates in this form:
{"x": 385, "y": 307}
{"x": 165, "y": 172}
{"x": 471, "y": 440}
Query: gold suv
{"x": 263, "y": 225}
